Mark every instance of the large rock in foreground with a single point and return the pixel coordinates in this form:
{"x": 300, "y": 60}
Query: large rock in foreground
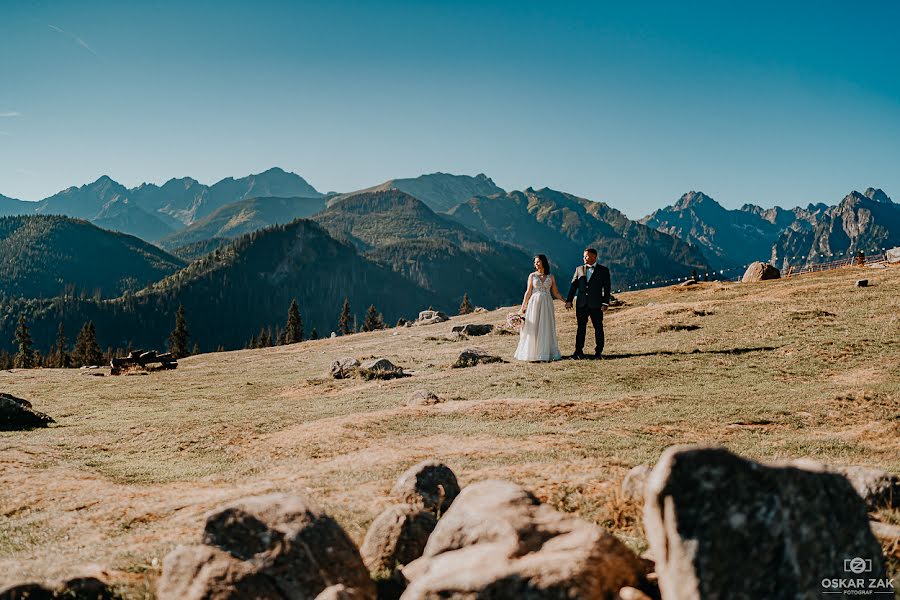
{"x": 77, "y": 588}
{"x": 760, "y": 271}
{"x": 17, "y": 414}
{"x": 720, "y": 526}
{"x": 397, "y": 537}
{"x": 879, "y": 489}
{"x": 429, "y": 484}
{"x": 498, "y": 541}
{"x": 274, "y": 544}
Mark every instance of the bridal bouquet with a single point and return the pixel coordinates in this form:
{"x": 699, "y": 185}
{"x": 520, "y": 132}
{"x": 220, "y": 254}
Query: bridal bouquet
{"x": 515, "y": 321}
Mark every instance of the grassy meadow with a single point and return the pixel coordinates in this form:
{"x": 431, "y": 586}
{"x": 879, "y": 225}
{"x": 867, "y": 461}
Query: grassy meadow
{"x": 806, "y": 367}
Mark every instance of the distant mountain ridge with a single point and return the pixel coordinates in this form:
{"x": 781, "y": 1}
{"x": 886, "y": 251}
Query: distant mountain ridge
{"x": 439, "y": 191}
{"x": 244, "y": 216}
{"x": 562, "y": 225}
{"x": 867, "y": 222}
{"x": 152, "y": 212}
{"x": 816, "y": 233}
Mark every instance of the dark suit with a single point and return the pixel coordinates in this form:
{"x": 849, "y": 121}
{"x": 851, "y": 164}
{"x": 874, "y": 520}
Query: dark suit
{"x": 592, "y": 295}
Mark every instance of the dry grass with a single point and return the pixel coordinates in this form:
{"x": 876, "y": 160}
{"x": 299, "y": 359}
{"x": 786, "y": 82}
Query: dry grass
{"x": 808, "y": 367}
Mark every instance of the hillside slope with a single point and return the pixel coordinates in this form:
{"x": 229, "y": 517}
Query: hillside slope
{"x": 399, "y": 231}
{"x": 245, "y": 216}
{"x": 561, "y": 226}
{"x": 43, "y": 256}
{"x": 232, "y": 293}
{"x": 776, "y": 371}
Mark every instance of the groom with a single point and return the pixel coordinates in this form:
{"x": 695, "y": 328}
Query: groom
{"x": 591, "y": 285}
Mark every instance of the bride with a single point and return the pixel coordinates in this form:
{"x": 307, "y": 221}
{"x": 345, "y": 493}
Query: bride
{"x": 537, "y": 341}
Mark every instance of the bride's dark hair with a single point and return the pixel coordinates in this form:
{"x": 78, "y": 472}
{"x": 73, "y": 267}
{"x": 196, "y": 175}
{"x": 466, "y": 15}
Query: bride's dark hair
{"x": 544, "y": 263}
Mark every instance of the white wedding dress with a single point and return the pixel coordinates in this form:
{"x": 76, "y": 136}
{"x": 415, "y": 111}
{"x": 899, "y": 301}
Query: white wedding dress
{"x": 537, "y": 340}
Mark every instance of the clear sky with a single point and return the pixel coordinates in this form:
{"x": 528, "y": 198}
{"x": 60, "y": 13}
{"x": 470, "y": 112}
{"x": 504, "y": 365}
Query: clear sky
{"x": 630, "y": 103}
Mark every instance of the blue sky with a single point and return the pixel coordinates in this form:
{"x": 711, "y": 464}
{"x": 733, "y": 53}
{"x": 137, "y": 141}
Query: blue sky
{"x": 772, "y": 103}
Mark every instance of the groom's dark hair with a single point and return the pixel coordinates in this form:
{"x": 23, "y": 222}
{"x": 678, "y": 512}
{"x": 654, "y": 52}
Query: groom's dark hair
{"x": 591, "y": 251}
{"x": 544, "y": 262}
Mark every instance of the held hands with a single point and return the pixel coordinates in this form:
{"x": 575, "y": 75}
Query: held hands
{"x": 568, "y": 306}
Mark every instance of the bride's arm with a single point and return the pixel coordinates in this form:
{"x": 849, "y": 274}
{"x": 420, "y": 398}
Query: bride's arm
{"x": 527, "y": 295}
{"x": 555, "y": 290}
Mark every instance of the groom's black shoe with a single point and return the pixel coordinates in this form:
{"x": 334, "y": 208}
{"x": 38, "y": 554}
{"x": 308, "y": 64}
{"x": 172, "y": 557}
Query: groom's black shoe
{"x": 598, "y": 356}
{"x": 578, "y": 356}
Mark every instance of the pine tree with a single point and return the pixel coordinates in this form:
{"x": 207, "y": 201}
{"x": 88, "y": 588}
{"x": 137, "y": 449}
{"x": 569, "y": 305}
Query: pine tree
{"x": 466, "y": 306}
{"x": 314, "y": 335}
{"x": 6, "y": 361}
{"x": 253, "y": 343}
{"x": 178, "y": 339}
{"x": 374, "y": 320}
{"x": 25, "y": 357}
{"x": 344, "y": 320}
{"x": 196, "y": 349}
{"x": 293, "y": 332}
{"x": 60, "y": 356}
{"x": 87, "y": 351}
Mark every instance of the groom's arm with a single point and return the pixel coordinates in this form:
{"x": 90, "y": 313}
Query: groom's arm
{"x": 606, "y": 287}
{"x": 573, "y": 289}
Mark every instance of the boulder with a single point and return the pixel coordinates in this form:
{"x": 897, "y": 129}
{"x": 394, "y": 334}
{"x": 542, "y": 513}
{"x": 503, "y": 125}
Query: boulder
{"x": 423, "y": 398}
{"x": 630, "y": 593}
{"x": 722, "y": 526}
{"x": 475, "y": 356}
{"x": 429, "y": 484}
{"x": 760, "y": 271}
{"x": 80, "y": 588}
{"x": 429, "y": 317}
{"x": 397, "y": 537}
{"x": 380, "y": 368}
{"x": 893, "y": 256}
{"x": 274, "y": 542}
{"x": 205, "y": 573}
{"x": 472, "y": 330}
{"x": 16, "y": 414}
{"x": 339, "y": 592}
{"x": 345, "y": 367}
{"x": 862, "y": 283}
{"x": 879, "y": 489}
{"x": 634, "y": 483}
{"x": 498, "y": 541}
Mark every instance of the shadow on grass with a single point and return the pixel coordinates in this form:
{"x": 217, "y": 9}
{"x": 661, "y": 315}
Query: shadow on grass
{"x": 734, "y": 351}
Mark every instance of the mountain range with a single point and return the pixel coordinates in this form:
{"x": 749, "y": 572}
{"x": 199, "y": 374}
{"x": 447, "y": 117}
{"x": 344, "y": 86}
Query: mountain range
{"x": 867, "y": 221}
{"x": 153, "y": 212}
{"x": 256, "y": 242}
{"x": 562, "y": 226}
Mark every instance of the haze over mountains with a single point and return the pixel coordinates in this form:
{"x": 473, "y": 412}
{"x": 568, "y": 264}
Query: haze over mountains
{"x": 410, "y": 243}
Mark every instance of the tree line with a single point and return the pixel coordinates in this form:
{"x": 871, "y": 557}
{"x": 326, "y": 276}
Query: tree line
{"x": 87, "y": 352}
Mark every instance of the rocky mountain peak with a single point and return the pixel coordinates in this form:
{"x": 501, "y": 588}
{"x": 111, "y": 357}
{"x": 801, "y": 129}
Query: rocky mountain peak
{"x": 694, "y": 199}
{"x": 878, "y": 195}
